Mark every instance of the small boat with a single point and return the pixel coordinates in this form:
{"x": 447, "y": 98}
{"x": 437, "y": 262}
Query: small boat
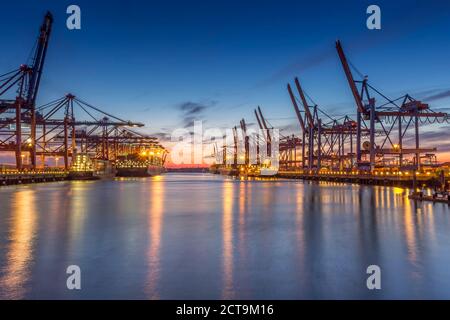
{"x": 268, "y": 172}
{"x": 443, "y": 197}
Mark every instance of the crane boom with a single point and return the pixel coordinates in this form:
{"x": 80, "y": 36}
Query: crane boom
{"x": 244, "y": 128}
{"x": 39, "y": 59}
{"x": 305, "y": 103}
{"x": 264, "y": 124}
{"x": 297, "y": 110}
{"x": 349, "y": 75}
{"x": 257, "y": 119}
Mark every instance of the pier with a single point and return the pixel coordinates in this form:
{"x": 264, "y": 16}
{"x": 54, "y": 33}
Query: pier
{"x": 13, "y": 177}
{"x": 404, "y": 179}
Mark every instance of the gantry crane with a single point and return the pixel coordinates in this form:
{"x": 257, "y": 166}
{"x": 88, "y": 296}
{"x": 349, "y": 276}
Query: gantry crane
{"x": 398, "y": 114}
{"x": 329, "y": 143}
{"x": 103, "y": 135}
{"x": 20, "y": 110}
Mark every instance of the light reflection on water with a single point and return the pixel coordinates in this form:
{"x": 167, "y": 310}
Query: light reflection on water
{"x": 202, "y": 236}
{"x": 19, "y": 255}
{"x": 155, "y": 212}
{"x": 227, "y": 227}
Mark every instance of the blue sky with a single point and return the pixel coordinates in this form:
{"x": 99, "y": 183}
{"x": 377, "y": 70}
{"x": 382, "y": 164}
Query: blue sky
{"x": 144, "y": 60}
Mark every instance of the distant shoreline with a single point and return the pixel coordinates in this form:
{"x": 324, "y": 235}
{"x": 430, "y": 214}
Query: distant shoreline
{"x": 201, "y": 170}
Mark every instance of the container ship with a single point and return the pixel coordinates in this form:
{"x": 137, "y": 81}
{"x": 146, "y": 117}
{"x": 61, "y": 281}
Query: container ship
{"x": 85, "y": 168}
{"x": 146, "y": 163}
{"x": 82, "y": 168}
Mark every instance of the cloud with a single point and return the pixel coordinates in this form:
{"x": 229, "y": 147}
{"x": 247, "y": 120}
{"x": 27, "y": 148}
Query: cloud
{"x": 438, "y": 96}
{"x": 164, "y": 135}
{"x": 192, "y": 108}
{"x": 444, "y": 147}
{"x": 290, "y": 128}
{"x": 433, "y": 135}
{"x": 436, "y": 137}
{"x": 314, "y": 59}
{"x": 191, "y": 111}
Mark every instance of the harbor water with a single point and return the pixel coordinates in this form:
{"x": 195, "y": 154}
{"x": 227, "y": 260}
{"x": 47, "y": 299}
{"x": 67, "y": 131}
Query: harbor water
{"x": 203, "y": 236}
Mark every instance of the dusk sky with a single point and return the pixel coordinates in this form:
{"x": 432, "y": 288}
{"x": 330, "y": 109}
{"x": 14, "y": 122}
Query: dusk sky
{"x": 144, "y": 60}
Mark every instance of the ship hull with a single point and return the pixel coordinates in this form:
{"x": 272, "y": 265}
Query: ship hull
{"x": 229, "y": 171}
{"x": 82, "y": 175}
{"x": 140, "y": 172}
{"x": 268, "y": 172}
{"x": 104, "y": 169}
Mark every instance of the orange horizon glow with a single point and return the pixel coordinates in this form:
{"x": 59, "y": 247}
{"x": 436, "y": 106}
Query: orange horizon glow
{"x": 8, "y": 160}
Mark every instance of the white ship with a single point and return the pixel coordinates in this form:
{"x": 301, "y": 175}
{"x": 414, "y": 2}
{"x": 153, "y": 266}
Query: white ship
{"x": 267, "y": 172}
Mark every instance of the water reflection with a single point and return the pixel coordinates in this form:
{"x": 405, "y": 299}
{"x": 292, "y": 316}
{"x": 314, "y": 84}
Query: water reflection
{"x": 410, "y": 223}
{"x": 227, "y": 229}
{"x": 245, "y": 202}
{"x": 369, "y": 199}
{"x": 19, "y": 259}
{"x": 78, "y": 209}
{"x": 200, "y": 236}
{"x": 155, "y": 216}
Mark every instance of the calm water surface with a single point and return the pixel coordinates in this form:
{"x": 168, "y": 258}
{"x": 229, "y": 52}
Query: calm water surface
{"x": 194, "y": 236}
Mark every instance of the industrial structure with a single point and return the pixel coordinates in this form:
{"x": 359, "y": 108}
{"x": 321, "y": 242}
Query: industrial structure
{"x": 69, "y": 135}
{"x": 382, "y": 145}
{"x": 67, "y": 129}
{"x": 257, "y": 152}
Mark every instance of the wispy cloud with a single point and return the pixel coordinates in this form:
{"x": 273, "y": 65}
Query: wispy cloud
{"x": 164, "y": 135}
{"x": 290, "y": 128}
{"x": 434, "y": 136}
{"x": 438, "y": 96}
{"x": 314, "y": 59}
{"x": 191, "y": 111}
